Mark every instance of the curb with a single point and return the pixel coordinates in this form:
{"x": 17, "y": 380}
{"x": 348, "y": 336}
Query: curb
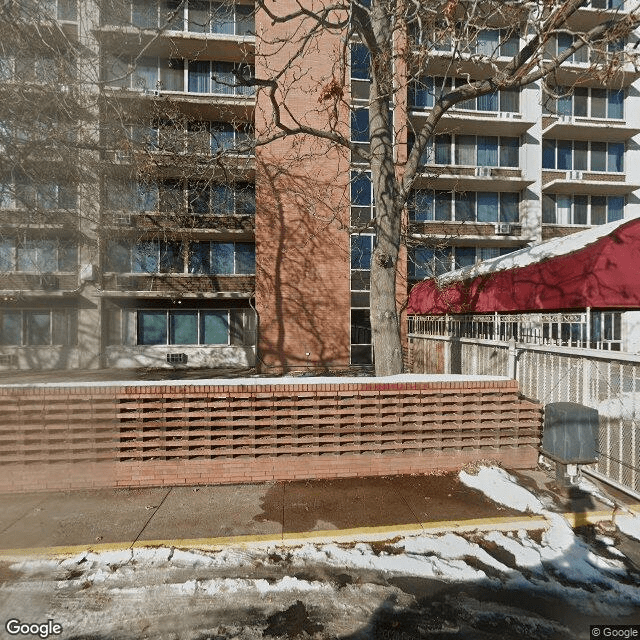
{"x": 359, "y": 534}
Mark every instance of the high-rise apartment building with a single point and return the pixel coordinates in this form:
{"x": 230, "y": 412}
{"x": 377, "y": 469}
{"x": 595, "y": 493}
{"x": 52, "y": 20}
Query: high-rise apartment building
{"x": 140, "y": 225}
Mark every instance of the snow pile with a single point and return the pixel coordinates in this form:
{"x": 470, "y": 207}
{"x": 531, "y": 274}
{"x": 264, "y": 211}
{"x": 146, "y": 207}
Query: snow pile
{"x": 560, "y": 548}
{"x": 502, "y": 488}
{"x": 442, "y": 563}
{"x": 629, "y": 525}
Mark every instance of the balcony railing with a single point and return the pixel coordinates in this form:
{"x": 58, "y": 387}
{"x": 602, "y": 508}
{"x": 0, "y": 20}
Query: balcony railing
{"x": 45, "y": 282}
{"x": 179, "y": 284}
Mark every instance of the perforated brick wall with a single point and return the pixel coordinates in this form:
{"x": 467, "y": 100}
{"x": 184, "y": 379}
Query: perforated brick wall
{"x": 66, "y": 438}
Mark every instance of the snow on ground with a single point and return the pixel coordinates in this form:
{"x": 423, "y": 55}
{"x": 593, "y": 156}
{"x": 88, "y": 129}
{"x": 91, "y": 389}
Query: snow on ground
{"x": 629, "y": 525}
{"x": 502, "y": 488}
{"x": 472, "y": 585}
{"x": 378, "y": 381}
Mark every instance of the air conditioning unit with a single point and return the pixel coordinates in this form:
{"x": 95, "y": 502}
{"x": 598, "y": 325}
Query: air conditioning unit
{"x": 575, "y": 175}
{"x": 49, "y": 282}
{"x": 506, "y": 115}
{"x": 122, "y": 219}
{"x": 8, "y": 360}
{"x": 177, "y": 358}
{"x": 121, "y": 156}
{"x": 565, "y": 119}
{"x": 503, "y": 229}
{"x": 483, "y": 172}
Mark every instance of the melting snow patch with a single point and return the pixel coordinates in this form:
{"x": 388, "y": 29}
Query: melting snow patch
{"x": 502, "y": 488}
{"x": 629, "y": 525}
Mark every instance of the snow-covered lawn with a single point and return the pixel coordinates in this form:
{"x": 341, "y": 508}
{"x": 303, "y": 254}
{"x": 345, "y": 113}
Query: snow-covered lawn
{"x": 479, "y": 585}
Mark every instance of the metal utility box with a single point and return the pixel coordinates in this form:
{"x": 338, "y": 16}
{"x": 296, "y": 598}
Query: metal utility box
{"x": 570, "y": 433}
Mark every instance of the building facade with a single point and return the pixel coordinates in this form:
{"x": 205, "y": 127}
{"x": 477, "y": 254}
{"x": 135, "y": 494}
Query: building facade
{"x": 141, "y": 225}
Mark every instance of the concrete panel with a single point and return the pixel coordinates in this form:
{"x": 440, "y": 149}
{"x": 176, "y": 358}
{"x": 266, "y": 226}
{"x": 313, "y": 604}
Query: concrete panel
{"x": 83, "y": 517}
{"x": 343, "y": 504}
{"x": 214, "y": 511}
{"x": 14, "y": 507}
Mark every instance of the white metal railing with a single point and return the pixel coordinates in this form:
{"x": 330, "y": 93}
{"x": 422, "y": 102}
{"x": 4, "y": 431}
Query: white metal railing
{"x": 588, "y": 330}
{"x": 551, "y": 365}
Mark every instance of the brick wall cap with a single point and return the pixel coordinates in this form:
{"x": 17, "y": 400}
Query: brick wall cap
{"x": 403, "y": 381}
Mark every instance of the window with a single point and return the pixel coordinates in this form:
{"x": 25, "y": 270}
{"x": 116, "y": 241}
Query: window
{"x": 220, "y": 17}
{"x": 360, "y": 62}
{"x": 199, "y": 77}
{"x": 361, "y": 251}
{"x": 222, "y": 258}
{"x": 231, "y": 78}
{"x": 226, "y": 137}
{"x": 38, "y": 255}
{"x": 581, "y": 210}
{"x": 561, "y": 43}
{"x": 583, "y": 156}
{"x": 427, "y": 262}
{"x": 172, "y": 15}
{"x": 149, "y": 256}
{"x": 424, "y": 91}
{"x": 222, "y": 199}
{"x": 38, "y": 327}
{"x": 130, "y": 195}
{"x": 360, "y": 336}
{"x": 585, "y": 102}
{"x": 426, "y": 205}
{"x": 21, "y": 191}
{"x": 360, "y": 125}
{"x": 172, "y": 74}
{"x": 362, "y": 211}
{"x": 485, "y": 151}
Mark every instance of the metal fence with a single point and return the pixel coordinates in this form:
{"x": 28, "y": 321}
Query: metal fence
{"x": 555, "y": 372}
{"x": 589, "y": 329}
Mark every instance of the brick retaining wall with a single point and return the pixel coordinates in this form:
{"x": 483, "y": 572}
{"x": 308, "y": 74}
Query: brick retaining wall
{"x": 132, "y": 436}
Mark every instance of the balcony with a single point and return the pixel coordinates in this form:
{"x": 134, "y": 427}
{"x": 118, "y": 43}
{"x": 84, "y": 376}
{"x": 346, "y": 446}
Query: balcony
{"x": 178, "y": 44}
{"x": 156, "y": 285}
{"x": 586, "y": 183}
{"x": 467, "y": 230}
{"x": 597, "y": 130}
{"x": 490, "y": 123}
{"x": 18, "y": 218}
{"x": 51, "y": 284}
{"x": 181, "y": 222}
{"x": 472, "y": 178}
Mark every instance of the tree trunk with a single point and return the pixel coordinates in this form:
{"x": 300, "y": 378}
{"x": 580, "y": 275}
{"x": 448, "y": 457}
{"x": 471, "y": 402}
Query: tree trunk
{"x": 385, "y": 322}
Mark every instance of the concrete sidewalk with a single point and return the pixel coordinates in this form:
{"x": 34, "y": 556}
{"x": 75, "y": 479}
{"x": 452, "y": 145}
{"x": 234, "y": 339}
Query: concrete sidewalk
{"x": 280, "y": 512}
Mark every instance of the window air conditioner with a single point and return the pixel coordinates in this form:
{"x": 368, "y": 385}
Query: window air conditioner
{"x": 574, "y": 175}
{"x": 122, "y": 219}
{"x": 8, "y": 360}
{"x": 503, "y": 229}
{"x": 177, "y": 358}
{"x": 483, "y": 172}
{"x": 122, "y": 156}
{"x": 49, "y": 282}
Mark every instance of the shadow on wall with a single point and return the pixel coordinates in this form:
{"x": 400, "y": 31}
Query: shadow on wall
{"x": 303, "y": 269}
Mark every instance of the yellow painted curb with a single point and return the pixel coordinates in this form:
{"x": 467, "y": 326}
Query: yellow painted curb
{"x": 505, "y": 523}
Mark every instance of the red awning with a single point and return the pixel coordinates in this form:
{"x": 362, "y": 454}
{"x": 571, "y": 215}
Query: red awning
{"x": 560, "y": 274}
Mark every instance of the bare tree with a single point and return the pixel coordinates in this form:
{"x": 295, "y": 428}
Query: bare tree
{"x": 400, "y": 42}
{"x": 69, "y": 127}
